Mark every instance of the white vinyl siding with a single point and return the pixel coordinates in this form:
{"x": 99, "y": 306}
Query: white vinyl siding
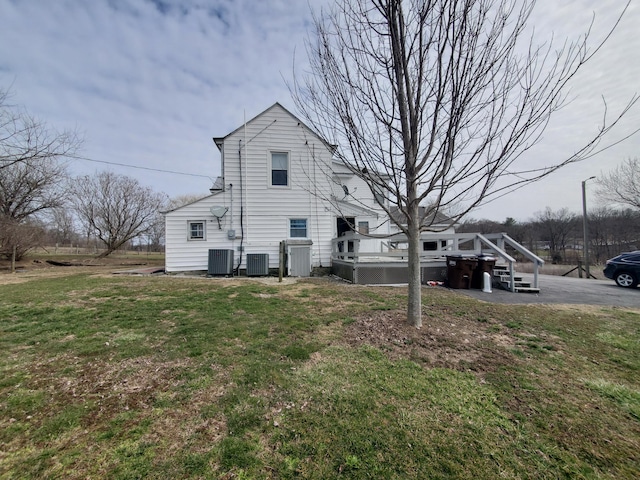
{"x": 264, "y": 210}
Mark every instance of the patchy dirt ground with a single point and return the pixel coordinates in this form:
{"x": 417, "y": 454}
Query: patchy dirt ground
{"x": 39, "y": 267}
{"x": 443, "y": 341}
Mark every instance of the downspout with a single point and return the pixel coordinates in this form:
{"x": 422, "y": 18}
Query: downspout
{"x": 312, "y": 220}
{"x": 245, "y": 228}
{"x": 237, "y": 269}
{"x": 315, "y": 200}
{"x": 231, "y": 205}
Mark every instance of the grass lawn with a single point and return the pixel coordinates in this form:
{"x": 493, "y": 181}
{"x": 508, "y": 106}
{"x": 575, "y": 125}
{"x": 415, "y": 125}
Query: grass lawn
{"x": 170, "y": 377}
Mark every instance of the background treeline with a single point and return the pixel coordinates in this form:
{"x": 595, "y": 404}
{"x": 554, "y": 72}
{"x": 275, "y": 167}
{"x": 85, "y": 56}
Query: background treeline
{"x": 557, "y": 235}
{"x": 43, "y": 205}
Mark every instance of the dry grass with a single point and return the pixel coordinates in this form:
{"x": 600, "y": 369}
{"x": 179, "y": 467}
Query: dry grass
{"x": 187, "y": 377}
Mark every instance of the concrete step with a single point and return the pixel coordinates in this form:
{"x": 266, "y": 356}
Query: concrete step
{"x": 527, "y": 290}
{"x": 507, "y": 278}
{"x": 502, "y": 277}
{"x": 524, "y": 287}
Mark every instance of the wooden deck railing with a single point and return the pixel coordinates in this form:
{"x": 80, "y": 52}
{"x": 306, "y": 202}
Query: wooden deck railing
{"x": 357, "y": 248}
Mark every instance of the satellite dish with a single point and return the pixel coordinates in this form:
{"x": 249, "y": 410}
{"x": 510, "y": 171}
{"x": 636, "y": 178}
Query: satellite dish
{"x": 347, "y": 192}
{"x": 218, "y": 211}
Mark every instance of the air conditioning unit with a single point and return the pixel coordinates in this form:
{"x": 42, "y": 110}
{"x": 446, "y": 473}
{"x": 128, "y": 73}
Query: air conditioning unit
{"x": 257, "y": 264}
{"x": 220, "y": 262}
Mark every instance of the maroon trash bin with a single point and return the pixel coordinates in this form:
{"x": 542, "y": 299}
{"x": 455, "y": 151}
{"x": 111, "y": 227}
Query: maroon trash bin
{"x": 485, "y": 264}
{"x": 460, "y": 270}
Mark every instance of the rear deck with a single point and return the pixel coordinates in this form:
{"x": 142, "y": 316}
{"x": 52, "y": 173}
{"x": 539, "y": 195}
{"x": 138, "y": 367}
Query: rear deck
{"x": 371, "y": 259}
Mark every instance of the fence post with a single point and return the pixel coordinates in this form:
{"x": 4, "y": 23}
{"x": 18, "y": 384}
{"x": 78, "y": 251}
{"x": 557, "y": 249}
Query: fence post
{"x": 579, "y": 268}
{"x": 281, "y": 262}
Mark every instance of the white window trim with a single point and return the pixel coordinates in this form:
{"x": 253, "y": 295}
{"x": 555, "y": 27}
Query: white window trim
{"x": 204, "y": 231}
{"x": 270, "y": 168}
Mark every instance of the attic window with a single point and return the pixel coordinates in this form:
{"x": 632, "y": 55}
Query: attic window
{"x": 280, "y": 169}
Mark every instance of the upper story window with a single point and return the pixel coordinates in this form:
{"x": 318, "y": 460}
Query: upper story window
{"x": 280, "y": 169}
{"x": 298, "y": 228}
{"x": 196, "y": 230}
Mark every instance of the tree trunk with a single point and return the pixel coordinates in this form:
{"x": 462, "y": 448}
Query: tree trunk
{"x": 109, "y": 250}
{"x": 414, "y": 304}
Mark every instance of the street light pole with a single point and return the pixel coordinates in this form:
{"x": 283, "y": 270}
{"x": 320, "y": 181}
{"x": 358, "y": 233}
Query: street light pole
{"x": 585, "y": 228}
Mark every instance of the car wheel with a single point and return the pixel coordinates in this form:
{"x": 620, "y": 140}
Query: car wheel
{"x": 626, "y": 279}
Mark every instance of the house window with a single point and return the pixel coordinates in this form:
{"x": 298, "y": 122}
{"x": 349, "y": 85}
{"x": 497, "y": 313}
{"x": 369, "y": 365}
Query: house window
{"x": 298, "y": 227}
{"x": 196, "y": 230}
{"x": 280, "y": 169}
{"x": 433, "y": 246}
{"x": 429, "y": 246}
{"x": 363, "y": 228}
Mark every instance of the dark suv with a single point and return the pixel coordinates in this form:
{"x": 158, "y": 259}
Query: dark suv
{"x": 624, "y": 269}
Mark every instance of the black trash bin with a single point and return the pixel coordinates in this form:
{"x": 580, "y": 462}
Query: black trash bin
{"x": 460, "y": 270}
{"x": 485, "y": 264}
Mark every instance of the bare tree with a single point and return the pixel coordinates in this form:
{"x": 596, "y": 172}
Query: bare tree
{"x": 556, "y": 227}
{"x": 32, "y": 175}
{"x": 116, "y": 208}
{"x": 26, "y": 139}
{"x": 32, "y": 186}
{"x": 18, "y": 237}
{"x": 621, "y": 185}
{"x": 155, "y": 235}
{"x": 28, "y": 189}
{"x": 433, "y": 102}
{"x": 62, "y": 226}
{"x": 613, "y": 231}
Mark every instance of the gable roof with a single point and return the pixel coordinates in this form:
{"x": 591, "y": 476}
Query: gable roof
{"x": 198, "y": 200}
{"x": 220, "y": 140}
{"x": 350, "y": 209}
{"x": 432, "y": 219}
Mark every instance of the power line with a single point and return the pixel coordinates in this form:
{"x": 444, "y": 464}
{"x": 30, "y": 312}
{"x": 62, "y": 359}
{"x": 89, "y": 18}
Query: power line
{"x": 141, "y": 168}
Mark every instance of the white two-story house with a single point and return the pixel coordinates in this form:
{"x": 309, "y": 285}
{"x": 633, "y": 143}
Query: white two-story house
{"x": 279, "y": 183}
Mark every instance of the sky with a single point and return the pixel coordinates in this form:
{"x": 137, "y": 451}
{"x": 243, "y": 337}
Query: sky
{"x": 149, "y": 83}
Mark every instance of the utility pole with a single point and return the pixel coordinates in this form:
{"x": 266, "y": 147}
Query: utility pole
{"x": 585, "y": 227}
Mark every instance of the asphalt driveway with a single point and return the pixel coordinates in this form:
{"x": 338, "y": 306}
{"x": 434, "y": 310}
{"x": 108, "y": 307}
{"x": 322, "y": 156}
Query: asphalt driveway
{"x": 556, "y": 289}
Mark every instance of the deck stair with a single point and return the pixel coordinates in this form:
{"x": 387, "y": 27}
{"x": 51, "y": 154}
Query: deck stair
{"x": 502, "y": 279}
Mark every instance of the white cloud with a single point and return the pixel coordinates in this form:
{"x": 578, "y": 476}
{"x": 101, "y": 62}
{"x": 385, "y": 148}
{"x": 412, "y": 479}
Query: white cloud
{"x": 151, "y": 82}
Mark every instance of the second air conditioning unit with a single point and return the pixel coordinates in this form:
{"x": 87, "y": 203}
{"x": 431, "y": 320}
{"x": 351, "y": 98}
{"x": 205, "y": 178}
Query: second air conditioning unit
{"x": 257, "y": 264}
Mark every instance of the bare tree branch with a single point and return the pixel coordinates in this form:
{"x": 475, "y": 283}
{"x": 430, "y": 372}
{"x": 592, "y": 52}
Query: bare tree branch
{"x": 23, "y": 138}
{"x": 621, "y": 186}
{"x": 434, "y": 102}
